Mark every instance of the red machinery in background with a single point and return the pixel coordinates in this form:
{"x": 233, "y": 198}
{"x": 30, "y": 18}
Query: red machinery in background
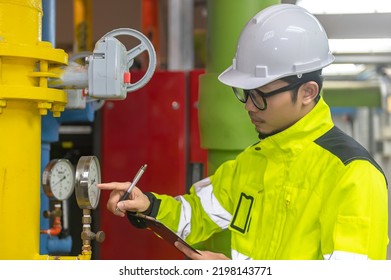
{"x": 158, "y": 126}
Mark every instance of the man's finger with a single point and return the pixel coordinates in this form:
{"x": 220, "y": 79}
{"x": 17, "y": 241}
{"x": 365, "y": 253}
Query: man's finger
{"x": 113, "y": 186}
{"x": 189, "y": 253}
{"x": 119, "y": 212}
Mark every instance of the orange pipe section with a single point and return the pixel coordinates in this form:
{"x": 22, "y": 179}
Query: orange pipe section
{"x": 150, "y": 25}
{"x": 56, "y": 229}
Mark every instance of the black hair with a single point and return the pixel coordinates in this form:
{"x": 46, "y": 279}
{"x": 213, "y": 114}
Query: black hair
{"x": 315, "y": 76}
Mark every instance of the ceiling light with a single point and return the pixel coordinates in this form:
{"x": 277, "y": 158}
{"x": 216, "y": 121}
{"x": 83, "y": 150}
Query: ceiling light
{"x": 343, "y": 69}
{"x": 354, "y": 46}
{"x": 345, "y": 6}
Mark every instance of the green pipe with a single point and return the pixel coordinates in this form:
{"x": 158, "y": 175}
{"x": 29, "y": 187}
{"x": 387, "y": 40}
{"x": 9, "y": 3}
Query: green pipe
{"x": 352, "y": 94}
{"x": 225, "y": 127}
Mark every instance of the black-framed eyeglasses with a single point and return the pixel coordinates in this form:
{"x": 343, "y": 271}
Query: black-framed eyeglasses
{"x": 258, "y": 97}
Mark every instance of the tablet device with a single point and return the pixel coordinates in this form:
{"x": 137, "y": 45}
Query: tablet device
{"x": 162, "y": 231}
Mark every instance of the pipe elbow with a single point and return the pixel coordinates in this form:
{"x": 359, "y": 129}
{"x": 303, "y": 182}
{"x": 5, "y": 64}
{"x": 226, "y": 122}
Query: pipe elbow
{"x": 55, "y": 230}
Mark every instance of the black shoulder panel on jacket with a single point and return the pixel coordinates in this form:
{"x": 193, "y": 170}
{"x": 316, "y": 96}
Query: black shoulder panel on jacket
{"x": 345, "y": 147}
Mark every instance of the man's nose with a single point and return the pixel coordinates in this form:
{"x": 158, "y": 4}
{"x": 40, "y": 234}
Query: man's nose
{"x": 249, "y": 105}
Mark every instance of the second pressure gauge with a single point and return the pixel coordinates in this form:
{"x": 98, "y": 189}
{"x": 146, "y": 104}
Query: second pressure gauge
{"x": 87, "y": 177}
{"x": 58, "y": 179}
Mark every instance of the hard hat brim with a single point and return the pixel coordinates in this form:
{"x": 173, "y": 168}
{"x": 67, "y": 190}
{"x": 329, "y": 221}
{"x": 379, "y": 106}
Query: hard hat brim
{"x": 238, "y": 79}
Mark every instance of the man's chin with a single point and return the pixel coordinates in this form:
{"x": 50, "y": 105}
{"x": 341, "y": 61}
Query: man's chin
{"x": 263, "y": 135}
{"x": 262, "y": 131}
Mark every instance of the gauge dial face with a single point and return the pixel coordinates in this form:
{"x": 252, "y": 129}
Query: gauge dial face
{"x": 87, "y": 177}
{"x": 58, "y": 179}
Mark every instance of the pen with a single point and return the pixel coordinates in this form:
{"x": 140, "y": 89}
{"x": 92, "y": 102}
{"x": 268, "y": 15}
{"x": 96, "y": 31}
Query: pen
{"x": 134, "y": 182}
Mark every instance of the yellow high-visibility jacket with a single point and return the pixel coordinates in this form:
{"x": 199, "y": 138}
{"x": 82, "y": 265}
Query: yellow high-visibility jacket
{"x": 308, "y": 192}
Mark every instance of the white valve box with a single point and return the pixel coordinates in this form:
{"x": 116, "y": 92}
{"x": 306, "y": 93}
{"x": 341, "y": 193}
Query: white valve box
{"x": 107, "y": 70}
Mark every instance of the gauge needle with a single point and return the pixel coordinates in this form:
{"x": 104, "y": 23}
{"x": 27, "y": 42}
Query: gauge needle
{"x": 59, "y": 181}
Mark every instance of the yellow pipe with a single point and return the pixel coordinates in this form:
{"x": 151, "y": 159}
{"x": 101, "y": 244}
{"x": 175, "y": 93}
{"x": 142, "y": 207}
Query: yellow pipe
{"x": 19, "y": 180}
{"x": 82, "y": 22}
{"x": 82, "y": 257}
{"x": 25, "y": 65}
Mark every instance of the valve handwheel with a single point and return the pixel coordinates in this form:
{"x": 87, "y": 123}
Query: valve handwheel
{"x": 145, "y": 45}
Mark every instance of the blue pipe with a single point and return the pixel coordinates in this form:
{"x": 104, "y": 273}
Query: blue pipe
{"x": 57, "y": 245}
{"x": 50, "y": 134}
{"x": 49, "y": 125}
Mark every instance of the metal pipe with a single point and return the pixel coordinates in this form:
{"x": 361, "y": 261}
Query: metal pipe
{"x": 25, "y": 63}
{"x": 180, "y": 35}
{"x": 49, "y": 124}
{"x": 57, "y": 224}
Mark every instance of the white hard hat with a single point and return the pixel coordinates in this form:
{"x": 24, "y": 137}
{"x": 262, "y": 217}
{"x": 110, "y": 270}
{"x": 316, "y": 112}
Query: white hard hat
{"x": 281, "y": 40}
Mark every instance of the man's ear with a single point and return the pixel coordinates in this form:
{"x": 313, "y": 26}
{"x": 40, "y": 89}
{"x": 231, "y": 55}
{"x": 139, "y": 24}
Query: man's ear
{"x": 309, "y": 92}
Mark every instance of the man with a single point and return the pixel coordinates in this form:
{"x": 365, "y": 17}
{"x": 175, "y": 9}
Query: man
{"x": 306, "y": 190}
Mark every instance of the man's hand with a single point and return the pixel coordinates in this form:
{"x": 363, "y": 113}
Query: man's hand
{"x": 204, "y": 255}
{"x": 137, "y": 202}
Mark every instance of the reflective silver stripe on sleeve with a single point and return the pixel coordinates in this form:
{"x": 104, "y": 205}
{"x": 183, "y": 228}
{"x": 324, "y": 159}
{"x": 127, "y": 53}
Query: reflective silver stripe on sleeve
{"x": 184, "y": 226}
{"x": 235, "y": 255}
{"x": 211, "y": 205}
{"x": 342, "y": 255}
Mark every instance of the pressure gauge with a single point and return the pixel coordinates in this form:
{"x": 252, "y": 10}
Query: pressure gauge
{"x": 58, "y": 179}
{"x": 87, "y": 177}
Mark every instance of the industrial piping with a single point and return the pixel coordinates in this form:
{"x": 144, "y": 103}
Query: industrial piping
{"x": 25, "y": 66}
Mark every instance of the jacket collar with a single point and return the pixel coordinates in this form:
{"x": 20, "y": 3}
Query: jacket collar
{"x": 317, "y": 122}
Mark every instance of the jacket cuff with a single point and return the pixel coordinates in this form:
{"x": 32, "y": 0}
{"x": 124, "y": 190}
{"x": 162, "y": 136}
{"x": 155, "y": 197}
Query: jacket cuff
{"x": 152, "y": 211}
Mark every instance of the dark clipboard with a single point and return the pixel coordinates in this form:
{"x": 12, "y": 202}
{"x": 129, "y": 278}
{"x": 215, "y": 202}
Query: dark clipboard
{"x": 162, "y": 231}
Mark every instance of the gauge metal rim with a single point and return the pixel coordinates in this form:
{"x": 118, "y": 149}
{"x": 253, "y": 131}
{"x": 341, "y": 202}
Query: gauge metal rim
{"x": 47, "y": 174}
{"x": 81, "y": 185}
